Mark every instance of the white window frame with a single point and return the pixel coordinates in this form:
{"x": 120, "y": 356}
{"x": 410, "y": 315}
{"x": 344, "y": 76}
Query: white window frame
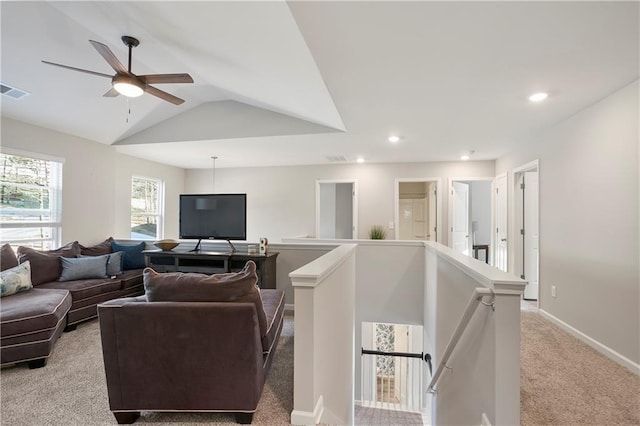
{"x": 55, "y": 203}
{"x": 159, "y": 208}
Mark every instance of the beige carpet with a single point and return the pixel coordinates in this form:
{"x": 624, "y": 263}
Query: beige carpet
{"x": 71, "y": 389}
{"x": 566, "y": 382}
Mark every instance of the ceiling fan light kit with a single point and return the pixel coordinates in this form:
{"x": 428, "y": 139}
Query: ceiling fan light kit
{"x": 125, "y": 82}
{"x": 127, "y": 86}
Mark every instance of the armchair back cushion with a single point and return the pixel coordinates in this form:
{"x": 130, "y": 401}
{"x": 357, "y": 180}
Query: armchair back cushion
{"x": 236, "y": 287}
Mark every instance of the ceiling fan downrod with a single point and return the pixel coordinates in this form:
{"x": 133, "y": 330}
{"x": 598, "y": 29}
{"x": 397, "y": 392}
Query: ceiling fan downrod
{"x": 130, "y": 42}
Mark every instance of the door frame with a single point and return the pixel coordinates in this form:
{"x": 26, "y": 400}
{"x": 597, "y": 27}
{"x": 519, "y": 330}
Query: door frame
{"x": 514, "y": 234}
{"x": 450, "y": 210}
{"x": 396, "y": 199}
{"x": 354, "y": 206}
{"x": 494, "y": 215}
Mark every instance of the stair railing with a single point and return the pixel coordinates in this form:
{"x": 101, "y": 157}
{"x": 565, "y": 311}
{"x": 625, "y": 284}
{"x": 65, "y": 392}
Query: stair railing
{"x": 477, "y": 298}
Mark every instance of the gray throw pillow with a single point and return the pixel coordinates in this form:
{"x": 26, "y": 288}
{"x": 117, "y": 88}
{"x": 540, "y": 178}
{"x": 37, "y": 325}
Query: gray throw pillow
{"x": 114, "y": 262}
{"x": 83, "y": 268}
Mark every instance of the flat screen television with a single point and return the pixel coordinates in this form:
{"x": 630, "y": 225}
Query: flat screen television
{"x": 213, "y": 217}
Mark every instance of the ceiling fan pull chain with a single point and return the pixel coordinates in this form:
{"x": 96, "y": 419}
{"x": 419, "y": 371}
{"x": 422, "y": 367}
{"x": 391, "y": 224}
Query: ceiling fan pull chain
{"x": 128, "y": 109}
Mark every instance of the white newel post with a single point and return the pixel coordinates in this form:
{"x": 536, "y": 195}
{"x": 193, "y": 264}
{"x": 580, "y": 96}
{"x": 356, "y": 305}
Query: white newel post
{"x": 507, "y": 354}
{"x": 324, "y": 338}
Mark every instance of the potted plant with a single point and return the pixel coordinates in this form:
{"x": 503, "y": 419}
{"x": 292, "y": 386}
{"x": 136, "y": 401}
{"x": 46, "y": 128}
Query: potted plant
{"x": 377, "y": 232}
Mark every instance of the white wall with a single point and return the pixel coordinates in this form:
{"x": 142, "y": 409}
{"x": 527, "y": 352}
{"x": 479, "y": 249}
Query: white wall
{"x": 96, "y": 182}
{"x": 589, "y": 228}
{"x": 281, "y": 200}
{"x": 327, "y": 211}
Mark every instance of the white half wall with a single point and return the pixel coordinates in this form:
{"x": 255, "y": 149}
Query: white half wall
{"x": 589, "y": 228}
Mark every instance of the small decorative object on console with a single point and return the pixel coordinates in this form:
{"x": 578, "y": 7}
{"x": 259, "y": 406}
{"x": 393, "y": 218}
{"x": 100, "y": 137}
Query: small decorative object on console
{"x": 166, "y": 245}
{"x": 263, "y": 245}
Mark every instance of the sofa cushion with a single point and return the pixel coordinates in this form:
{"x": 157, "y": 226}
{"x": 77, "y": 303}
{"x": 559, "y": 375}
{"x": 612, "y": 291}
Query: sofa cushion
{"x": 83, "y": 268}
{"x": 83, "y": 289}
{"x": 35, "y": 310}
{"x": 131, "y": 278}
{"x": 16, "y": 279}
{"x": 193, "y": 287}
{"x": 98, "y": 249}
{"x": 133, "y": 257}
{"x": 8, "y": 258}
{"x": 45, "y": 264}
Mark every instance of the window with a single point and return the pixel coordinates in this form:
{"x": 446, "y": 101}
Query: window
{"x": 146, "y": 208}
{"x": 30, "y": 200}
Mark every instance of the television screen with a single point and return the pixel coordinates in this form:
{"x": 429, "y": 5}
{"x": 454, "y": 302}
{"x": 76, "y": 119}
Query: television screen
{"x": 213, "y": 216}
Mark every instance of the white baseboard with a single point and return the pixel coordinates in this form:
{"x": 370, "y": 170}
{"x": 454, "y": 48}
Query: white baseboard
{"x": 306, "y": 417}
{"x": 604, "y": 350}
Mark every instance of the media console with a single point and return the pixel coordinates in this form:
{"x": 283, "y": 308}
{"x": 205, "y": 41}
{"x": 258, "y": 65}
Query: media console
{"x": 212, "y": 262}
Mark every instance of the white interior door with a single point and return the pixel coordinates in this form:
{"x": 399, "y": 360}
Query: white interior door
{"x": 531, "y": 237}
{"x": 460, "y": 217}
{"x": 501, "y": 249}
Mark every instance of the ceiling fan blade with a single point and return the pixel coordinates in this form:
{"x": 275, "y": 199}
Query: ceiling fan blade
{"x": 164, "y": 95}
{"x": 108, "y": 56}
{"x": 112, "y": 93}
{"x": 78, "y": 69}
{"x": 165, "y": 78}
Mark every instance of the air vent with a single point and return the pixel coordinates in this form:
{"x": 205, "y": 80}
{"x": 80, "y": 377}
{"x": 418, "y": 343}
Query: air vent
{"x": 12, "y": 92}
{"x": 337, "y": 158}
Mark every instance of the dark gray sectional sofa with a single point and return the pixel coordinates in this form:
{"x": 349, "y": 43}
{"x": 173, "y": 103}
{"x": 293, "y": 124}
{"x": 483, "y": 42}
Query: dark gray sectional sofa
{"x": 31, "y": 321}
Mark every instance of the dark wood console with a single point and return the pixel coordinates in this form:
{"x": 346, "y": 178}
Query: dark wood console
{"x": 211, "y": 262}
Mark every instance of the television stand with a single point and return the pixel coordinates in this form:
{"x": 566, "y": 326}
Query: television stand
{"x": 210, "y": 262}
{"x": 196, "y": 249}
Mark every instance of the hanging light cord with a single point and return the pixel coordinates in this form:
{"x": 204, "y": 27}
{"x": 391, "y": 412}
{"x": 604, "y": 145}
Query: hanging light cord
{"x": 214, "y": 173}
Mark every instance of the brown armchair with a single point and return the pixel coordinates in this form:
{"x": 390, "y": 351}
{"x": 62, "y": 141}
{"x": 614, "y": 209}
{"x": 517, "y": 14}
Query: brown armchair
{"x": 205, "y": 356}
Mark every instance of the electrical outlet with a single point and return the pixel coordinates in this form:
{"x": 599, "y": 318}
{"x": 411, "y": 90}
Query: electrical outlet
{"x": 553, "y": 291}
{"x": 391, "y": 225}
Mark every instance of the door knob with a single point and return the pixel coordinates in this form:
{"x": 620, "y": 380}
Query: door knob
{"x": 503, "y": 239}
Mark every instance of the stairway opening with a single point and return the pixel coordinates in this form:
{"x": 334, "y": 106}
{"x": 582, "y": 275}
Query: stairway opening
{"x": 392, "y": 367}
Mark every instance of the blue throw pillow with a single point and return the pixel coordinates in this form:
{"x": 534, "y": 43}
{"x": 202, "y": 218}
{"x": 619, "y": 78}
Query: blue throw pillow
{"x": 83, "y": 268}
{"x": 132, "y": 257}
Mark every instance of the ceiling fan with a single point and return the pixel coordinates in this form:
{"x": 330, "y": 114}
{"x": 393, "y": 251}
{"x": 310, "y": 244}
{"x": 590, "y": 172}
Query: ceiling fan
{"x": 125, "y": 82}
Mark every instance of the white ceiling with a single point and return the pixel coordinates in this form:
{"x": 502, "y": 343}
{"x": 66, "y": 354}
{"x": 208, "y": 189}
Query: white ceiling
{"x": 285, "y": 83}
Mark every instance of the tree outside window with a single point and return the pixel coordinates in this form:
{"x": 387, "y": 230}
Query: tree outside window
{"x": 30, "y": 201}
{"x": 146, "y": 208}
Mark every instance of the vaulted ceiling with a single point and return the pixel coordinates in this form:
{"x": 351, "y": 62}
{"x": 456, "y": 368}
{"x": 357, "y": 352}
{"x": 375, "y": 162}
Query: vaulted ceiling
{"x": 289, "y": 83}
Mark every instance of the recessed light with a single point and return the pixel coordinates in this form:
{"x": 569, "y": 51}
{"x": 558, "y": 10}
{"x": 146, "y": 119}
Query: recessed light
{"x": 360, "y": 160}
{"x": 394, "y": 139}
{"x": 538, "y": 97}
{"x": 467, "y": 156}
